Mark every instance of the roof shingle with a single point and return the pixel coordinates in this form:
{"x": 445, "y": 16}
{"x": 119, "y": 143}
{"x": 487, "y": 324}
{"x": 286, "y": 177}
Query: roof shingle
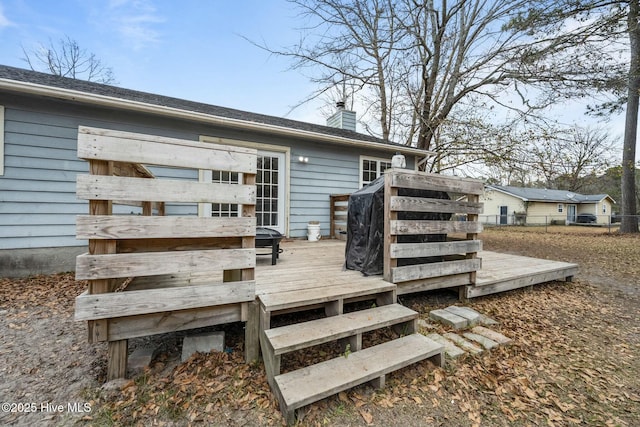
{"x": 34, "y": 77}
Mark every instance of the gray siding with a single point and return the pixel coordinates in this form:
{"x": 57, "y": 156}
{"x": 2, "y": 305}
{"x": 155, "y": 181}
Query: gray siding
{"x": 312, "y": 183}
{"x": 37, "y": 191}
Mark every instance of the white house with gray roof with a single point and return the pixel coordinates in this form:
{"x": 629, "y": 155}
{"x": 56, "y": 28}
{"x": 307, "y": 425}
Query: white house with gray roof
{"x": 509, "y": 205}
{"x": 300, "y": 164}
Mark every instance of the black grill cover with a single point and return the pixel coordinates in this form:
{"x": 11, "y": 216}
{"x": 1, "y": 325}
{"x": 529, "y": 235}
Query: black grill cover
{"x": 365, "y": 227}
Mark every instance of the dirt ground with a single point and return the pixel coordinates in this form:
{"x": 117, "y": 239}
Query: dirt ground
{"x": 573, "y": 360}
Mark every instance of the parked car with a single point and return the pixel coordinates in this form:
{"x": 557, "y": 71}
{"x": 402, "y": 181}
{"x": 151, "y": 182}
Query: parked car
{"x": 586, "y": 219}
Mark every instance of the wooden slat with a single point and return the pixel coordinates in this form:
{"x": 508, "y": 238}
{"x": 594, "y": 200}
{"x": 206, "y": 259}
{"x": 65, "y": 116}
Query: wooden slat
{"x": 405, "y": 227}
{"x": 161, "y": 227}
{"x": 289, "y": 338}
{"x": 418, "y": 250}
{"x": 165, "y": 245}
{"x": 530, "y": 279}
{"x": 420, "y": 204}
{"x": 432, "y": 283}
{"x": 428, "y": 181}
{"x": 158, "y": 263}
{"x": 131, "y": 169}
{"x": 94, "y": 187}
{"x": 159, "y": 323}
{"x": 155, "y": 150}
{"x": 120, "y": 304}
{"x": 310, "y": 384}
{"x": 174, "y": 280}
{"x": 341, "y": 291}
{"x": 436, "y": 269}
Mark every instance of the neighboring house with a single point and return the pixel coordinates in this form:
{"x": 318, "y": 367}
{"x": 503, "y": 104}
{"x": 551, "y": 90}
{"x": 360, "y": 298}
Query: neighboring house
{"x": 300, "y": 164}
{"x": 511, "y": 205}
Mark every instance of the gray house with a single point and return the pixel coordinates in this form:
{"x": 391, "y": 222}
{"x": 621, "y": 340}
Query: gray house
{"x": 300, "y": 164}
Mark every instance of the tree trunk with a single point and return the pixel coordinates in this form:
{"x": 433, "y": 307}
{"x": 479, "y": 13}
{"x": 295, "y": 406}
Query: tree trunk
{"x": 629, "y": 223}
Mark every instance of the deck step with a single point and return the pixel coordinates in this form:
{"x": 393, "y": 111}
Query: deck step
{"x": 302, "y": 335}
{"x": 307, "y": 385}
{"x": 313, "y": 296}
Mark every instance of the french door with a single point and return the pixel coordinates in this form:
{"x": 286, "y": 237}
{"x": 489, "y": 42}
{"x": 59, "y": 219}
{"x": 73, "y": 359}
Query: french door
{"x": 270, "y": 182}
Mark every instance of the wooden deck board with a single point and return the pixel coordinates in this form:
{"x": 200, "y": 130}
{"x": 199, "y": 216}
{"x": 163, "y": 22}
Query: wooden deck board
{"x": 289, "y": 338}
{"x": 311, "y": 266}
{"x": 310, "y": 384}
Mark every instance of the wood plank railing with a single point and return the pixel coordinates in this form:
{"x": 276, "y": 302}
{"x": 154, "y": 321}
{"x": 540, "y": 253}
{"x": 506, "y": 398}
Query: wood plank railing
{"x": 451, "y": 262}
{"x": 153, "y": 274}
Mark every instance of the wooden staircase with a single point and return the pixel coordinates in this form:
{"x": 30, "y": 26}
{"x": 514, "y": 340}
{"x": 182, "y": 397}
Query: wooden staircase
{"x": 356, "y": 365}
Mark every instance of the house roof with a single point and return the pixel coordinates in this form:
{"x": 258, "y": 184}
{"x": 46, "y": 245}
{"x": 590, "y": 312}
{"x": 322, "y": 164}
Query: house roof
{"x": 81, "y": 91}
{"x": 546, "y": 195}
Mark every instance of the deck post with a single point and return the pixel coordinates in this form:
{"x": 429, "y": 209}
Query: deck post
{"x": 117, "y": 361}
{"x": 389, "y": 215}
{"x": 473, "y": 198}
{"x": 252, "y": 333}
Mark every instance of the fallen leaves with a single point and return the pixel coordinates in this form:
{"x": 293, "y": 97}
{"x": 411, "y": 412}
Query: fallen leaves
{"x": 573, "y": 360}
{"x": 43, "y": 296}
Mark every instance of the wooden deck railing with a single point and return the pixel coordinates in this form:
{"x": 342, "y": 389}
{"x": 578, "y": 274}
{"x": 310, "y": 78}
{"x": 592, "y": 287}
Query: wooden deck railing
{"x": 152, "y": 274}
{"x": 338, "y": 216}
{"x": 450, "y": 263}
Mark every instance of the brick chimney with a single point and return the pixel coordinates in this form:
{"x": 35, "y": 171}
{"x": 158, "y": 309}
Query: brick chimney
{"x": 343, "y": 118}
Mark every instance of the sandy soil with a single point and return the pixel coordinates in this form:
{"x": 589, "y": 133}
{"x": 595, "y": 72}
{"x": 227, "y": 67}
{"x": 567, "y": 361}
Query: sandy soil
{"x": 572, "y": 361}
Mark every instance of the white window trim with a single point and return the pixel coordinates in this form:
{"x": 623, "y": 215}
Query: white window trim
{"x": 1, "y": 140}
{"x": 376, "y": 159}
{"x": 560, "y": 208}
{"x": 260, "y": 147}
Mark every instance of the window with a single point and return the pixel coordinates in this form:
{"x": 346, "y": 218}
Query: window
{"x": 372, "y": 168}
{"x": 1, "y": 140}
{"x": 272, "y": 186}
{"x": 604, "y": 208}
{"x": 560, "y": 208}
{"x": 224, "y": 209}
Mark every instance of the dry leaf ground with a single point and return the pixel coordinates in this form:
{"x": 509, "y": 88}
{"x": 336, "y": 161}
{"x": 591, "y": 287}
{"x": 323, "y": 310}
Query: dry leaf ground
{"x": 573, "y": 360}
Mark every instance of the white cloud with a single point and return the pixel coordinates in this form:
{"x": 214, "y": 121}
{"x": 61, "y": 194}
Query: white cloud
{"x": 4, "y": 21}
{"x": 136, "y": 21}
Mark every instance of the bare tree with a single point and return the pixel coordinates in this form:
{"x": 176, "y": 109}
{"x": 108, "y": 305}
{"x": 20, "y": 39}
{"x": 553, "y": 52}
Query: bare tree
{"x": 414, "y": 61}
{"x": 590, "y": 48}
{"x": 68, "y": 59}
{"x": 566, "y": 158}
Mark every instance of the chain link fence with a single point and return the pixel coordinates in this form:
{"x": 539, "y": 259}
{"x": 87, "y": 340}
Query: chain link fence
{"x": 609, "y": 222}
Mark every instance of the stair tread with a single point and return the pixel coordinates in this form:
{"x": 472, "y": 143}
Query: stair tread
{"x": 311, "y": 296}
{"x": 301, "y": 335}
{"x": 310, "y": 384}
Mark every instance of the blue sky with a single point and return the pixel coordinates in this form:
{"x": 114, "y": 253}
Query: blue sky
{"x": 190, "y": 49}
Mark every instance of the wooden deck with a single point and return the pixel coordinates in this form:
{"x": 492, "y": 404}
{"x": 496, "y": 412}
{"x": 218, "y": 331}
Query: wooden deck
{"x": 306, "y": 268}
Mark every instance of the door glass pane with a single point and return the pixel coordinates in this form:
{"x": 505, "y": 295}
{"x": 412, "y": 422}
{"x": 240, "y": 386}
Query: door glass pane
{"x": 267, "y": 203}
